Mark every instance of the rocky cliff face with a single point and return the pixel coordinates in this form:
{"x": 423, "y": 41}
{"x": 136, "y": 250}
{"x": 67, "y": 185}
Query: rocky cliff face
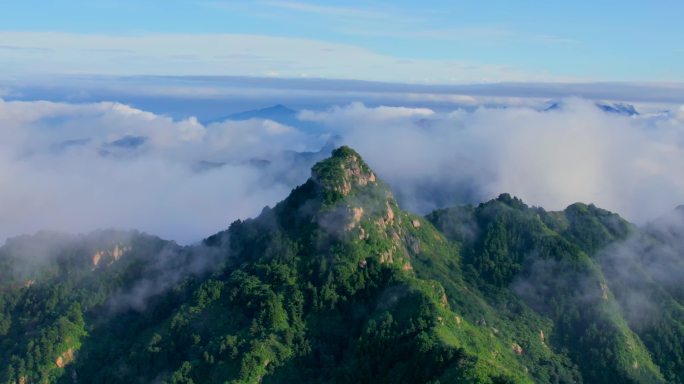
{"x": 342, "y": 173}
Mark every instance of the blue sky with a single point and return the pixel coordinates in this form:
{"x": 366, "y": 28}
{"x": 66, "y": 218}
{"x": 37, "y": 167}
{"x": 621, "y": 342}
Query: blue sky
{"x": 399, "y": 41}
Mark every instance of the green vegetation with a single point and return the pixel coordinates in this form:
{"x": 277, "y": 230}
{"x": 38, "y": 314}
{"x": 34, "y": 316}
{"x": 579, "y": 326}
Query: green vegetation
{"x": 337, "y": 284}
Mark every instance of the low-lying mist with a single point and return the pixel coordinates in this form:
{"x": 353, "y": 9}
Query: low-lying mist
{"x": 628, "y": 164}
{"x": 77, "y": 167}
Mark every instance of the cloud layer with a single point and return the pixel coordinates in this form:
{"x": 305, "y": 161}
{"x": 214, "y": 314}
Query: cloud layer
{"x": 39, "y": 53}
{"x": 78, "y": 167}
{"x": 631, "y": 165}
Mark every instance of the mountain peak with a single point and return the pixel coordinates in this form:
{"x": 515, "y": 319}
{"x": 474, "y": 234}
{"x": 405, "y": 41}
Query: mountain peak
{"x": 343, "y": 172}
{"x": 346, "y": 154}
{"x": 278, "y": 107}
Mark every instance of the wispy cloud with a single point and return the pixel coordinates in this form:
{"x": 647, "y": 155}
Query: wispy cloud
{"x": 472, "y": 34}
{"x": 376, "y": 20}
{"x": 335, "y": 18}
{"x": 9, "y": 47}
{"x": 234, "y": 54}
{"x": 327, "y": 10}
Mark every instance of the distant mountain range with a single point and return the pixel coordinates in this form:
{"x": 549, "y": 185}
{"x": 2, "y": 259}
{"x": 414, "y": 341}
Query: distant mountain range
{"x": 616, "y": 108}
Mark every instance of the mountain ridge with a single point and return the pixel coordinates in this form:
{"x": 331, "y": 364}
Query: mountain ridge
{"x": 336, "y": 283}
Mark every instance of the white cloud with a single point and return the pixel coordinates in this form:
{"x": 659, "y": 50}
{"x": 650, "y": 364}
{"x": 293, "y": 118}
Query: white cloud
{"x": 61, "y": 167}
{"x": 629, "y": 165}
{"x": 327, "y": 10}
{"x": 479, "y": 34}
{"x": 342, "y": 116}
{"x": 680, "y": 113}
{"x": 60, "y": 170}
{"x": 31, "y": 53}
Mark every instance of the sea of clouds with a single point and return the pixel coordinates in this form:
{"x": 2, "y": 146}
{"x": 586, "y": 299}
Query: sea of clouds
{"x": 75, "y": 167}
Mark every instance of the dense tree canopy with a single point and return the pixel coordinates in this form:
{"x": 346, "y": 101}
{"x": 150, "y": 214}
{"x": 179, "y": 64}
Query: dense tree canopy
{"x": 337, "y": 284}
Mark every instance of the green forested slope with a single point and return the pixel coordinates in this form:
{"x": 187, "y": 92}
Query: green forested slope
{"x": 337, "y": 284}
